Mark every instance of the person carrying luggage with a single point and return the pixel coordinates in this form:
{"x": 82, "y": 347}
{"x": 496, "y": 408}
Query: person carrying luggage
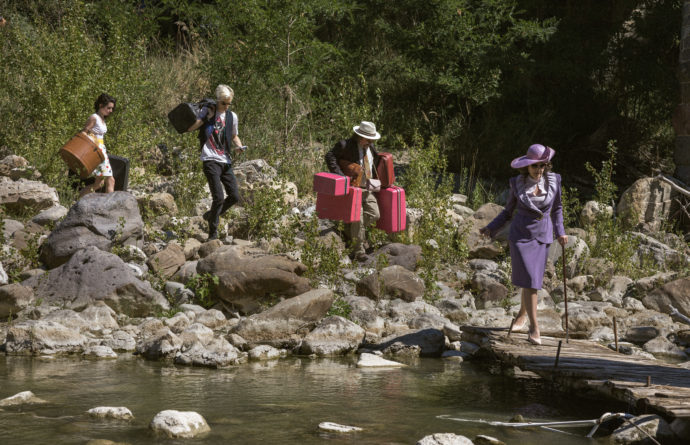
{"x": 95, "y": 128}
{"x": 217, "y": 136}
{"x": 357, "y": 158}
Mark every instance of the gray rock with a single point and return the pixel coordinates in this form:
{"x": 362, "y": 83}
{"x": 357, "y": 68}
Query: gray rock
{"x": 162, "y": 344}
{"x": 632, "y": 304}
{"x": 178, "y": 322}
{"x": 648, "y": 424}
{"x": 167, "y": 261}
{"x": 646, "y": 204}
{"x": 4, "y": 279}
{"x": 284, "y": 324}
{"x": 179, "y": 424}
{"x": 592, "y": 210}
{"x": 93, "y": 275}
{"x": 14, "y": 298}
{"x": 50, "y": 216}
{"x": 490, "y": 292}
{"x": 22, "y": 398}
{"x": 216, "y": 353}
{"x": 641, "y": 334}
{"x": 99, "y": 317}
{"x": 425, "y": 342}
{"x": 444, "y": 439}
{"x": 674, "y": 293}
{"x": 42, "y": 337}
{"x": 212, "y": 318}
{"x": 333, "y": 336}
{"x": 662, "y": 346}
{"x": 397, "y": 254}
{"x": 99, "y": 351}
{"x": 120, "y": 341}
{"x": 576, "y": 251}
{"x": 392, "y": 282}
{"x": 111, "y": 412}
{"x": 19, "y": 195}
{"x": 367, "y": 360}
{"x": 249, "y": 278}
{"x": 69, "y": 319}
{"x": 662, "y": 256}
{"x": 95, "y": 220}
{"x": 264, "y": 352}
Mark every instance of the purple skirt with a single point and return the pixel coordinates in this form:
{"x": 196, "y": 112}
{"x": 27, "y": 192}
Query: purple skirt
{"x": 528, "y": 261}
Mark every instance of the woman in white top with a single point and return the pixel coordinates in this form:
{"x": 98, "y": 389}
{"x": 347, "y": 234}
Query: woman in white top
{"x": 95, "y": 128}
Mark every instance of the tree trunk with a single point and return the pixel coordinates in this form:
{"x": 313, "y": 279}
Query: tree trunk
{"x": 682, "y": 115}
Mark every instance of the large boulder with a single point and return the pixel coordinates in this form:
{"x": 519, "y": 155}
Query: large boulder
{"x": 284, "y": 324}
{"x": 22, "y": 194}
{"x": 405, "y": 255}
{"x": 43, "y": 337}
{"x": 482, "y": 247}
{"x": 424, "y": 342}
{"x": 250, "y": 279}
{"x": 674, "y": 294}
{"x": 392, "y": 282}
{"x": 98, "y": 220}
{"x": 13, "y": 298}
{"x": 179, "y": 424}
{"x": 333, "y": 336}
{"x": 167, "y": 261}
{"x": 646, "y": 204}
{"x": 94, "y": 275}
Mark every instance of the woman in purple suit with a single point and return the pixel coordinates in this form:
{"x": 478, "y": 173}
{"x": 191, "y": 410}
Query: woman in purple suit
{"x": 534, "y": 205}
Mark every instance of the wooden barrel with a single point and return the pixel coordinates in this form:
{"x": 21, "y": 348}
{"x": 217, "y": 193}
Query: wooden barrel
{"x": 82, "y": 155}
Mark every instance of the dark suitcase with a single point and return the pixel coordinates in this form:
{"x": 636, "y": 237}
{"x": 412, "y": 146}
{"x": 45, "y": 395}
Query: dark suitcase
{"x": 384, "y": 169}
{"x": 120, "y": 168}
{"x": 183, "y": 116}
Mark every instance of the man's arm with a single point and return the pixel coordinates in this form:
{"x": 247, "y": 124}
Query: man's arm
{"x": 332, "y": 158}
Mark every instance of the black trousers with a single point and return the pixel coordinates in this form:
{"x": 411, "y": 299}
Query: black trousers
{"x": 220, "y": 176}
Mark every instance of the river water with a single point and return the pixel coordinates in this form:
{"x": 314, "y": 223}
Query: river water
{"x": 279, "y": 402}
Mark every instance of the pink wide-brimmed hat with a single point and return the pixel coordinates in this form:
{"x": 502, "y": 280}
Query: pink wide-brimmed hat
{"x": 535, "y": 153}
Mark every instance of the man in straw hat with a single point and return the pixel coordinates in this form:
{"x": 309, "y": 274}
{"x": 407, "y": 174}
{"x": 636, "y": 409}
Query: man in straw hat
{"x": 356, "y": 157}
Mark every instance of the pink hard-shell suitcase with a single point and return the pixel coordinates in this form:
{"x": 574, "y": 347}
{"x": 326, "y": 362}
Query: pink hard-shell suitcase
{"x": 331, "y": 184}
{"x": 392, "y": 209}
{"x": 346, "y": 208}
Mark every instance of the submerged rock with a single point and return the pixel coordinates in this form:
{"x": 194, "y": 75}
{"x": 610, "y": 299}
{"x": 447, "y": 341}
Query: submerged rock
{"x": 367, "y": 360}
{"x": 179, "y": 424}
{"x": 445, "y": 439}
{"x": 22, "y": 398}
{"x": 111, "y": 412}
{"x": 337, "y": 428}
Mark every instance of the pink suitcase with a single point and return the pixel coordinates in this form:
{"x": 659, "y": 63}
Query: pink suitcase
{"x": 392, "y": 208}
{"x": 331, "y": 184}
{"x": 345, "y": 208}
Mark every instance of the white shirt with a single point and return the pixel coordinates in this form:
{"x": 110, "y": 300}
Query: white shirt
{"x": 531, "y": 185}
{"x": 370, "y": 158}
{"x": 208, "y": 153}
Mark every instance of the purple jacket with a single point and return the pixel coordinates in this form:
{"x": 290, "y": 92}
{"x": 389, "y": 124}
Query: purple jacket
{"x": 530, "y": 222}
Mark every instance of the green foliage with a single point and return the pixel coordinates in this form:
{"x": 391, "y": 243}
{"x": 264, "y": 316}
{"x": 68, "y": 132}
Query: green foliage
{"x": 264, "y": 210}
{"x": 320, "y": 257}
{"x": 203, "y": 286}
{"x": 604, "y": 186}
{"x": 340, "y": 307}
{"x": 428, "y": 189}
{"x": 572, "y": 207}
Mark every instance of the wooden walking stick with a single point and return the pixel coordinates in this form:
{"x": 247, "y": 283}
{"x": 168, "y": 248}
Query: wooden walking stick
{"x": 565, "y": 297}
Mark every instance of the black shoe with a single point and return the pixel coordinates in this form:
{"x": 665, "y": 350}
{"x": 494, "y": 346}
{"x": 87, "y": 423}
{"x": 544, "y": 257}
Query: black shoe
{"x": 212, "y": 236}
{"x": 206, "y": 215}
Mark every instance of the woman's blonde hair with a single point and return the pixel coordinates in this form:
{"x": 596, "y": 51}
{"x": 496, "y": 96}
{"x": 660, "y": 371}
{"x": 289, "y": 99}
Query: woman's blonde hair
{"x": 224, "y": 92}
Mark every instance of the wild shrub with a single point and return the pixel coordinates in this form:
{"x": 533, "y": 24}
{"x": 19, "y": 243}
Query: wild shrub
{"x": 428, "y": 188}
{"x": 203, "y": 286}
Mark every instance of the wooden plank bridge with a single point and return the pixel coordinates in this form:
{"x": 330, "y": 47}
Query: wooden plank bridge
{"x": 651, "y": 386}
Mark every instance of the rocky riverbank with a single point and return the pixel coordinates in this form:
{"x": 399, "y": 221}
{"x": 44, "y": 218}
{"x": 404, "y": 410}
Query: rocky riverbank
{"x": 103, "y": 281}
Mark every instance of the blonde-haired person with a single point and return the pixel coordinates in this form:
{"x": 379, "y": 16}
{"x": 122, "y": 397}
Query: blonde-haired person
{"x": 96, "y": 129}
{"x": 217, "y": 137}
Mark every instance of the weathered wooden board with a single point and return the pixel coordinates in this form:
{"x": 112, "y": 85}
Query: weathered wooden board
{"x": 586, "y": 363}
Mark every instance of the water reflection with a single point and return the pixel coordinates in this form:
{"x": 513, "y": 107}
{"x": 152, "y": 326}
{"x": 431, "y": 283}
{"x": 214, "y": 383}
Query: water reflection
{"x": 280, "y": 401}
